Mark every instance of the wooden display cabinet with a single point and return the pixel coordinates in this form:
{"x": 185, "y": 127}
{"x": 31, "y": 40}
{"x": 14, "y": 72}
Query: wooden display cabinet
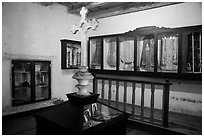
{"x": 30, "y": 81}
{"x": 150, "y": 52}
{"x": 70, "y": 54}
{"x": 89, "y": 117}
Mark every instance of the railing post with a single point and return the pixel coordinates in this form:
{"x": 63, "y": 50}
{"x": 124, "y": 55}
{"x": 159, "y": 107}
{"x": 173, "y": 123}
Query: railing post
{"x": 142, "y": 101}
{"x": 125, "y": 96}
{"x": 109, "y": 93}
{"x": 102, "y": 90}
{"x": 117, "y": 93}
{"x": 165, "y": 107}
{"x": 152, "y": 103}
{"x": 95, "y": 85}
{"x": 133, "y": 99}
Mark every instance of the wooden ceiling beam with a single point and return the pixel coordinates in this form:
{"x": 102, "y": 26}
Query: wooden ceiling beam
{"x": 128, "y": 8}
{"x": 99, "y": 10}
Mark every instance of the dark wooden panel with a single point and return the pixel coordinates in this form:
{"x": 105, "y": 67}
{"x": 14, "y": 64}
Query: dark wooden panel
{"x": 125, "y": 96}
{"x": 109, "y": 92}
{"x": 133, "y": 98}
{"x": 152, "y": 103}
{"x": 117, "y": 93}
{"x": 142, "y": 101}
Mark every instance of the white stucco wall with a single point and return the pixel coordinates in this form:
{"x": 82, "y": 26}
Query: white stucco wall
{"x": 32, "y": 31}
{"x": 179, "y": 15}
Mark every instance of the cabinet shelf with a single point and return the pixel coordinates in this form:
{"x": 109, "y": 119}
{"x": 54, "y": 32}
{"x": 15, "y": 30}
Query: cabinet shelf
{"x": 21, "y": 87}
{"x": 42, "y": 86}
{"x": 22, "y": 72}
{"x": 41, "y": 71}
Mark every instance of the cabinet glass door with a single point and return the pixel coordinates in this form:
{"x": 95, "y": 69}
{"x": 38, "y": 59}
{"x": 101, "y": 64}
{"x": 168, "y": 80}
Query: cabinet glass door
{"x": 168, "y": 53}
{"x": 145, "y": 53}
{"x": 109, "y": 53}
{"x": 193, "y": 53}
{"x": 126, "y": 54}
{"x": 95, "y": 53}
{"x": 41, "y": 80}
{"x": 21, "y": 83}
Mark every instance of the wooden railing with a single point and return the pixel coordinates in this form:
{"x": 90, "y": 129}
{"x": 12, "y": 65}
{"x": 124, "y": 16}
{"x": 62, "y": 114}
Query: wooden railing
{"x": 135, "y": 111}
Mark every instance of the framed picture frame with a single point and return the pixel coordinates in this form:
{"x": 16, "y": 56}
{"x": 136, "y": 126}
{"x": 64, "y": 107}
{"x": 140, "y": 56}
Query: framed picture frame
{"x": 93, "y": 108}
{"x": 87, "y": 114}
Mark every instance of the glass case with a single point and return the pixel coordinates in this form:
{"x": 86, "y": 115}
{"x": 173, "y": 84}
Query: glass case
{"x": 109, "y": 53}
{"x": 30, "y": 81}
{"x": 70, "y": 118}
{"x": 95, "y": 53}
{"x": 70, "y": 54}
{"x": 168, "y": 53}
{"x": 126, "y": 55}
{"x": 145, "y": 53}
{"x": 98, "y": 113}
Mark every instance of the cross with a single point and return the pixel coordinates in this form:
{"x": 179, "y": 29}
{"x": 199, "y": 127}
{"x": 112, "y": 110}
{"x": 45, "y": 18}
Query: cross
{"x": 83, "y": 26}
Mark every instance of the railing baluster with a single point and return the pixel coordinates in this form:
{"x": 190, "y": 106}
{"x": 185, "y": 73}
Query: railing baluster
{"x": 133, "y": 99}
{"x": 123, "y": 105}
{"x": 102, "y": 90}
{"x": 152, "y": 103}
{"x": 117, "y": 93}
{"x": 165, "y": 105}
{"x": 142, "y": 101}
{"x": 109, "y": 92}
{"x": 125, "y": 96}
{"x": 95, "y": 88}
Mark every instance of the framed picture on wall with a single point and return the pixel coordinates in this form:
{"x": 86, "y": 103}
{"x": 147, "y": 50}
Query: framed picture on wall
{"x": 93, "y": 108}
{"x": 87, "y": 115}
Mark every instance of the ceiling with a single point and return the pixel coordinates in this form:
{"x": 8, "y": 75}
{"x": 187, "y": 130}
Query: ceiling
{"x": 106, "y": 9}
